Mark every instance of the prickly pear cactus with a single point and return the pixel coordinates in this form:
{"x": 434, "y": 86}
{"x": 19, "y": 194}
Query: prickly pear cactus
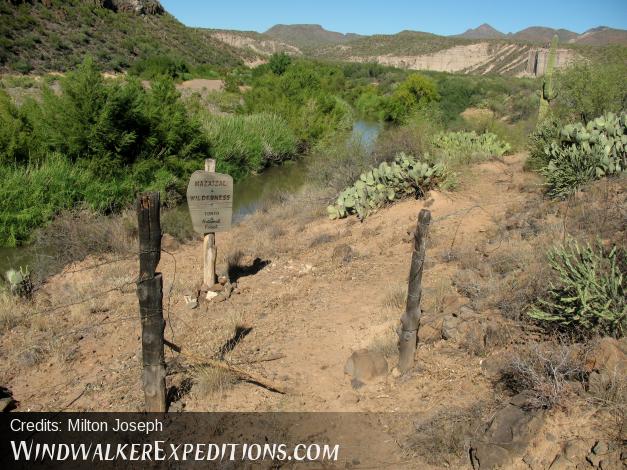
{"x": 586, "y": 152}
{"x": 20, "y": 282}
{"x": 549, "y": 93}
{"x": 385, "y": 183}
{"x": 455, "y": 145}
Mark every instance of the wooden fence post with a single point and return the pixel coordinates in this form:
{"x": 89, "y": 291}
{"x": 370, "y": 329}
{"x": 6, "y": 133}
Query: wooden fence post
{"x": 410, "y": 320}
{"x": 150, "y": 294}
{"x": 209, "y": 250}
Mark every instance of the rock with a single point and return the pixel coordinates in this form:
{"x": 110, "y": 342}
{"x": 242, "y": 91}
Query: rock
{"x": 450, "y": 326}
{"x": 609, "y": 355}
{"x": 429, "y": 332}
{"x": 450, "y": 304}
{"x": 365, "y": 365}
{"x": 466, "y": 313}
{"x": 575, "y": 451}
{"x": 507, "y": 435}
{"x": 211, "y": 294}
{"x": 600, "y": 448}
{"x": 560, "y": 463}
{"x": 222, "y": 280}
{"x": 594, "y": 460}
{"x": 342, "y": 254}
{"x": 607, "y": 366}
{"x": 169, "y": 243}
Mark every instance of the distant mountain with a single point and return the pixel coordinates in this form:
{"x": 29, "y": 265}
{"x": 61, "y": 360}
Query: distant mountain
{"x": 602, "y": 36}
{"x": 485, "y": 31}
{"x": 543, "y": 34}
{"x": 308, "y": 35}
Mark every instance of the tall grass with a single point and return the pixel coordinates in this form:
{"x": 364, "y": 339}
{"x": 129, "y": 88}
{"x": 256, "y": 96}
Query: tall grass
{"x": 32, "y": 195}
{"x": 246, "y": 144}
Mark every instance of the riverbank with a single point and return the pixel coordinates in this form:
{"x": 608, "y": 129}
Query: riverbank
{"x": 41, "y": 256}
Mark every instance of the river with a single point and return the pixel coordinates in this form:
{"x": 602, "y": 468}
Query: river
{"x": 249, "y": 193}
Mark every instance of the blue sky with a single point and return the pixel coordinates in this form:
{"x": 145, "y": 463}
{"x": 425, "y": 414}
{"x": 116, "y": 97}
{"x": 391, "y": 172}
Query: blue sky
{"x": 392, "y": 16}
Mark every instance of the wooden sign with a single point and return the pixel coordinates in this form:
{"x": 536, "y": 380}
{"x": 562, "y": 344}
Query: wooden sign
{"x": 210, "y": 201}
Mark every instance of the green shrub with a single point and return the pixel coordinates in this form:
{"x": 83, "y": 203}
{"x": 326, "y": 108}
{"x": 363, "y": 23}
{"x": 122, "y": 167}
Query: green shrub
{"x": 585, "y": 153}
{"x": 31, "y": 196}
{"x": 590, "y": 296}
{"x": 112, "y": 124}
{"x": 457, "y": 148}
{"x": 308, "y": 95}
{"x": 587, "y": 90}
{"x": 279, "y": 63}
{"x": 545, "y": 133}
{"x": 414, "y": 93}
{"x": 153, "y": 67}
{"x": 14, "y": 132}
{"x": 22, "y": 66}
{"x": 385, "y": 183}
{"x": 369, "y": 104}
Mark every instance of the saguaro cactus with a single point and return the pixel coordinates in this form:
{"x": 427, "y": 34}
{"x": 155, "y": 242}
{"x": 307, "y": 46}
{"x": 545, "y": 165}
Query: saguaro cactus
{"x": 548, "y": 87}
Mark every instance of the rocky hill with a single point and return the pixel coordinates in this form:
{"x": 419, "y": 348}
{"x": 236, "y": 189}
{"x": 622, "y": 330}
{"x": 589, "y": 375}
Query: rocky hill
{"x": 602, "y": 36}
{"x": 484, "y": 31}
{"x": 308, "y": 35}
{"x": 55, "y": 35}
{"x": 543, "y": 35}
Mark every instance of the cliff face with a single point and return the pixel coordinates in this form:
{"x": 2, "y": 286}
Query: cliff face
{"x": 480, "y": 58}
{"x": 537, "y": 59}
{"x": 259, "y": 45}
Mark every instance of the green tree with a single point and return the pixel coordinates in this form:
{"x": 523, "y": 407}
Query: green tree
{"x": 414, "y": 93}
{"x": 589, "y": 90}
{"x": 279, "y": 62}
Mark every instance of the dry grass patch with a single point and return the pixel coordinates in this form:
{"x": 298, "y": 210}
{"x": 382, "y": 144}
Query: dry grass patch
{"x": 13, "y": 311}
{"x": 211, "y": 380}
{"x": 386, "y": 344}
{"x": 395, "y": 298}
{"x": 550, "y": 372}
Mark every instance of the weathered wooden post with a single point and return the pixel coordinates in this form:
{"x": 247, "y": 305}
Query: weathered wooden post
{"x": 210, "y": 201}
{"x": 150, "y": 294}
{"x": 410, "y": 320}
{"x": 209, "y": 250}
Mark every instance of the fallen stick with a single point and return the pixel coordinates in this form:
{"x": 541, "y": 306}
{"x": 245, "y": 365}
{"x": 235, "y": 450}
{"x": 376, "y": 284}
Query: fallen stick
{"x": 241, "y": 373}
{"x": 274, "y": 357}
